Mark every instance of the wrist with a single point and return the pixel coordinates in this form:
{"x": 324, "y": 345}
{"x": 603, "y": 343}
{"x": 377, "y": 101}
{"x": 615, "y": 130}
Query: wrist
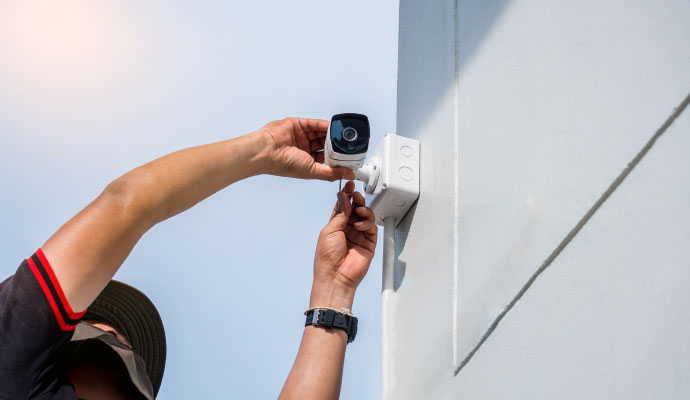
{"x": 331, "y": 295}
{"x": 260, "y": 146}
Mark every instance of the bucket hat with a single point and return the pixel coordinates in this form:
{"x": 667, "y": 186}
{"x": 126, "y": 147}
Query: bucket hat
{"x": 132, "y": 313}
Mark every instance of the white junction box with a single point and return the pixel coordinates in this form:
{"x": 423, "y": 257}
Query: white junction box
{"x": 394, "y": 185}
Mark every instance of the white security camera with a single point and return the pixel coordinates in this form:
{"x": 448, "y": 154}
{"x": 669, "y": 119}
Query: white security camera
{"x": 347, "y": 141}
{"x": 390, "y": 176}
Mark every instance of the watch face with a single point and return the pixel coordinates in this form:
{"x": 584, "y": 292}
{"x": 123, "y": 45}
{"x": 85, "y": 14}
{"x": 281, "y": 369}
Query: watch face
{"x": 350, "y": 133}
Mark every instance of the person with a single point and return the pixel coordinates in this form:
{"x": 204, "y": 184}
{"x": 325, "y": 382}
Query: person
{"x": 113, "y": 345}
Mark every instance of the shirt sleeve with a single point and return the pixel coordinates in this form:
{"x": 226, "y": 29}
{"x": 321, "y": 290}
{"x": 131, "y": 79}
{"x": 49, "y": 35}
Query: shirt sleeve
{"x": 35, "y": 322}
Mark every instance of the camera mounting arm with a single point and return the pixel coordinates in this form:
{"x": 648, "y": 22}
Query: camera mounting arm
{"x": 369, "y": 173}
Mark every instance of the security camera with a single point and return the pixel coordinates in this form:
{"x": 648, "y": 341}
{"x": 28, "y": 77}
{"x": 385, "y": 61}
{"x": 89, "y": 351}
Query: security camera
{"x": 347, "y": 141}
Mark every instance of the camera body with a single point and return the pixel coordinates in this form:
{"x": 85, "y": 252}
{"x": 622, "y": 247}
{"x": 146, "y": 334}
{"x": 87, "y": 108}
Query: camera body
{"x": 347, "y": 141}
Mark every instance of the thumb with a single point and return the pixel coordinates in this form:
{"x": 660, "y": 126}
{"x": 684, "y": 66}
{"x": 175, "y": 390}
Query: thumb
{"x": 328, "y": 173}
{"x": 340, "y": 215}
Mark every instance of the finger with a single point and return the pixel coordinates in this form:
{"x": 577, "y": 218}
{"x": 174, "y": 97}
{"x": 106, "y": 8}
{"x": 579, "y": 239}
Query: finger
{"x": 366, "y": 213}
{"x": 357, "y": 238}
{"x": 370, "y": 234}
{"x": 343, "y": 197}
{"x": 302, "y": 141}
{"x": 340, "y": 215}
{"x": 349, "y": 188}
{"x": 358, "y": 199}
{"x": 337, "y": 207}
{"x": 318, "y": 157}
{"x": 346, "y": 192}
{"x": 317, "y": 135}
{"x": 327, "y": 173}
{"x": 353, "y": 218}
{"x": 344, "y": 173}
{"x": 366, "y": 226}
{"x": 313, "y": 125}
{"x": 314, "y": 145}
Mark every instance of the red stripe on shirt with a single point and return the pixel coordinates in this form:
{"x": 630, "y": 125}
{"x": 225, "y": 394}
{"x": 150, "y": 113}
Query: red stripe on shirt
{"x": 49, "y": 296}
{"x": 56, "y": 285}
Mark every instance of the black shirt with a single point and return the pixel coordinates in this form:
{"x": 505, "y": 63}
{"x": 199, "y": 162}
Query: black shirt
{"x": 36, "y": 324}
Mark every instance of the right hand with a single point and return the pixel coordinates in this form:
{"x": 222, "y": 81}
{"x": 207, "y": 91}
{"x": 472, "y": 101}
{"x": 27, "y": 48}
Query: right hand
{"x": 344, "y": 251}
{"x": 294, "y": 146}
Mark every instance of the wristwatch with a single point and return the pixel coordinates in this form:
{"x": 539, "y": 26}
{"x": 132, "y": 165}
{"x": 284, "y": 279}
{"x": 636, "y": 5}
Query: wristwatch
{"x": 333, "y": 319}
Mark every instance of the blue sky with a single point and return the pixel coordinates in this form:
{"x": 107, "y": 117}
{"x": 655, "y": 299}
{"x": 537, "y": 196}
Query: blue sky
{"x": 91, "y": 89}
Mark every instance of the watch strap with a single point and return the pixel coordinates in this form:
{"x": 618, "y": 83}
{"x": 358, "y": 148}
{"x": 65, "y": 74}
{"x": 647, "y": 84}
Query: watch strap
{"x": 333, "y": 319}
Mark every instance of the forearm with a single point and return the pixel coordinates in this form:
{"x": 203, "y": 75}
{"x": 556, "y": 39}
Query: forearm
{"x": 318, "y": 369}
{"x": 173, "y": 183}
{"x": 87, "y": 251}
{"x": 343, "y": 255}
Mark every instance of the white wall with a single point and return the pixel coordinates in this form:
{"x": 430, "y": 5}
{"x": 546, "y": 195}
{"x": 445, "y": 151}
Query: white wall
{"x": 527, "y": 111}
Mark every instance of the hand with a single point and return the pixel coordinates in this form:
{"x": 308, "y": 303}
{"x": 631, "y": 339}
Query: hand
{"x": 344, "y": 251}
{"x": 295, "y": 150}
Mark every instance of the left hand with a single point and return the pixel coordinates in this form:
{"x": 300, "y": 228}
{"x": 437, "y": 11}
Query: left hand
{"x": 344, "y": 251}
{"x": 294, "y": 146}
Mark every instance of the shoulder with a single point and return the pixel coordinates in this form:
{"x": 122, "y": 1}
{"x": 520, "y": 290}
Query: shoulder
{"x": 35, "y": 322}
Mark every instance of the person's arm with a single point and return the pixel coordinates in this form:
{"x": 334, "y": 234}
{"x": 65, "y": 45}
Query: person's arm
{"x": 343, "y": 254}
{"x": 86, "y": 252}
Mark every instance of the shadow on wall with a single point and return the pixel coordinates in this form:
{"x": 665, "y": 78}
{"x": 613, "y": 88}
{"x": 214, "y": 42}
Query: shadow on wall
{"x": 426, "y": 53}
{"x": 401, "y": 235}
{"x": 427, "y": 67}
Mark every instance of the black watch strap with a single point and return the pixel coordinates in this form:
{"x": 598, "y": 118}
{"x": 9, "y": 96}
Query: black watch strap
{"x": 333, "y": 319}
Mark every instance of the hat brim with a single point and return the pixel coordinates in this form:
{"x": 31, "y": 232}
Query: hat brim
{"x": 131, "y": 312}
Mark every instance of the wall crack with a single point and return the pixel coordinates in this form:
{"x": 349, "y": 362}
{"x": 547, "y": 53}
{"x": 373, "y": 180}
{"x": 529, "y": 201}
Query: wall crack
{"x": 576, "y": 229}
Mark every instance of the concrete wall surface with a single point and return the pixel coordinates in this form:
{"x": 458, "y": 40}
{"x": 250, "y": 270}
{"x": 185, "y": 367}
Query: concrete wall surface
{"x": 528, "y": 111}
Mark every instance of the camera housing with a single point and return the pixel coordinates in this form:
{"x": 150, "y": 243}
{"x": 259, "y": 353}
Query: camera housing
{"x": 347, "y": 141}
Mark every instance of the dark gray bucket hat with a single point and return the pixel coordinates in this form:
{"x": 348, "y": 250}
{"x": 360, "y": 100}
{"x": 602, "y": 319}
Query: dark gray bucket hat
{"x": 132, "y": 313}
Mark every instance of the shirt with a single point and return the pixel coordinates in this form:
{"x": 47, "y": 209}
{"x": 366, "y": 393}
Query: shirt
{"x": 36, "y": 324}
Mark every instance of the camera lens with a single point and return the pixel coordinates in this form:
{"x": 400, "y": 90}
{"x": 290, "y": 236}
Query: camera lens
{"x": 350, "y": 134}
